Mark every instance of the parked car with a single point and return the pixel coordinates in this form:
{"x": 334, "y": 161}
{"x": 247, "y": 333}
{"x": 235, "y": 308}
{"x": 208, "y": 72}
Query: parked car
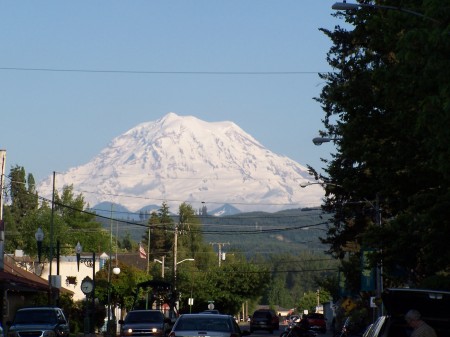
{"x": 264, "y": 319}
{"x": 434, "y": 307}
{"x": 39, "y": 321}
{"x": 317, "y": 322}
{"x": 211, "y": 311}
{"x": 144, "y": 323}
{"x": 211, "y": 325}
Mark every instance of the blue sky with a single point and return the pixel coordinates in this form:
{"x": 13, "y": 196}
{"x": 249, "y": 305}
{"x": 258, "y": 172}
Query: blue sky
{"x": 106, "y": 66}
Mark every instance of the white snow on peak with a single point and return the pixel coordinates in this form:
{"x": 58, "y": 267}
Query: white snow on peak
{"x": 184, "y": 159}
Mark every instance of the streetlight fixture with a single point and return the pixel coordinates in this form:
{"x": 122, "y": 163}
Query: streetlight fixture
{"x": 320, "y": 140}
{"x": 344, "y": 6}
{"x": 87, "y": 285}
{"x": 185, "y": 260}
{"x": 303, "y": 185}
{"x": 162, "y": 265}
{"x": 39, "y": 235}
{"x": 54, "y": 280}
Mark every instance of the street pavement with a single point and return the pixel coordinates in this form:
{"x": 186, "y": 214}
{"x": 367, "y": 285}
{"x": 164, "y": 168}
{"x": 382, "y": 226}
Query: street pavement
{"x": 276, "y": 333}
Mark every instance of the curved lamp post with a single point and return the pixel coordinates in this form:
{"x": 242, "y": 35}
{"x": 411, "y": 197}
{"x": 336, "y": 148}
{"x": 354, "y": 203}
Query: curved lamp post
{"x": 303, "y": 185}
{"x": 344, "y": 6}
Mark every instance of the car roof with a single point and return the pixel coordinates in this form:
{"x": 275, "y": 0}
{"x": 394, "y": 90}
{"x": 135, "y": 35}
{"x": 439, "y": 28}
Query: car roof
{"x": 430, "y": 303}
{"x": 34, "y": 309}
{"x": 205, "y": 314}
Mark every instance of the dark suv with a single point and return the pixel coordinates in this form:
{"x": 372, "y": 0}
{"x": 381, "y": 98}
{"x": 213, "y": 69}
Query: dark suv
{"x": 264, "y": 319}
{"x": 145, "y": 323}
{"x": 433, "y": 305}
{"x": 37, "y": 322}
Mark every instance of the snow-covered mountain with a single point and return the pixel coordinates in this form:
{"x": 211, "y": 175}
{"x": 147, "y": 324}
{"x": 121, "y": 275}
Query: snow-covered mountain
{"x": 183, "y": 159}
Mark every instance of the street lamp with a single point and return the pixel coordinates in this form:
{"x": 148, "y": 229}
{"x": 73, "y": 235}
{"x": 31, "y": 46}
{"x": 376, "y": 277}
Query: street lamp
{"x": 162, "y": 265}
{"x": 53, "y": 280}
{"x": 116, "y": 271}
{"x": 175, "y": 275}
{"x": 87, "y": 285}
{"x": 344, "y": 6}
{"x": 185, "y": 260}
{"x": 303, "y": 185}
{"x": 320, "y": 140}
{"x": 39, "y": 235}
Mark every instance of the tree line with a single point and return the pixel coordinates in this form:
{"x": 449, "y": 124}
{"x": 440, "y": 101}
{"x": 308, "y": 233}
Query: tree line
{"x": 280, "y": 280}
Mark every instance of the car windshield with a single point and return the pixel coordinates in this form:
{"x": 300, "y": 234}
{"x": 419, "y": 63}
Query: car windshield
{"x": 261, "y": 314}
{"x": 203, "y": 324}
{"x": 144, "y": 316}
{"x": 35, "y": 317}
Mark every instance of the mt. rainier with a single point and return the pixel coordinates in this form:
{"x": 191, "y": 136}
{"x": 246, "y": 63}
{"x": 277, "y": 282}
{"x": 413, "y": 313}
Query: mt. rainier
{"x": 183, "y": 159}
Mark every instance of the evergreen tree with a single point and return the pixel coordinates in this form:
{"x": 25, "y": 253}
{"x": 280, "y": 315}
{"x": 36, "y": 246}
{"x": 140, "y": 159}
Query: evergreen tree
{"x": 166, "y": 228}
{"x": 24, "y": 202}
{"x": 387, "y": 104}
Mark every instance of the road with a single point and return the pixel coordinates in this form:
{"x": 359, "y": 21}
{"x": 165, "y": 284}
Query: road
{"x": 277, "y": 333}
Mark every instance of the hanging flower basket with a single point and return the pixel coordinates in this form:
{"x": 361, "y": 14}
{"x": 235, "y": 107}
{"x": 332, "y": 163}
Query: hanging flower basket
{"x": 71, "y": 280}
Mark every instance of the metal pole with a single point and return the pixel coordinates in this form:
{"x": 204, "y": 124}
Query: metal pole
{"x": 93, "y": 294}
{"x": 380, "y": 264}
{"x": 108, "y": 324}
{"x": 148, "y": 250}
{"x": 175, "y": 251}
{"x": 50, "y": 300}
{"x": 2, "y": 225}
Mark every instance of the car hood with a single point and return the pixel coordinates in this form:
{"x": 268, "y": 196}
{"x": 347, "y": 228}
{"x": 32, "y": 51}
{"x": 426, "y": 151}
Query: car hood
{"x": 430, "y": 303}
{"x": 31, "y": 326}
{"x": 143, "y": 325}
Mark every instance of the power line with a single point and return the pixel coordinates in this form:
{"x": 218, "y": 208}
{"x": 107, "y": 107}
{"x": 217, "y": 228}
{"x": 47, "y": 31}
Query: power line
{"x": 154, "y": 72}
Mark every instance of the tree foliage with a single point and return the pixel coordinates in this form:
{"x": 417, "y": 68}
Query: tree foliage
{"x": 388, "y": 106}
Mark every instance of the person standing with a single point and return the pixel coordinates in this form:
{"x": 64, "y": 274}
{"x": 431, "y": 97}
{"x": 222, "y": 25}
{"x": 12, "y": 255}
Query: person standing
{"x": 420, "y": 328}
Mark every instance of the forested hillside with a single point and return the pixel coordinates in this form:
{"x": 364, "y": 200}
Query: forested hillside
{"x": 256, "y": 233}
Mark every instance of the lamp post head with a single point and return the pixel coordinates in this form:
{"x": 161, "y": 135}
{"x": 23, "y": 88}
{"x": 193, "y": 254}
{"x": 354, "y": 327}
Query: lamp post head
{"x": 320, "y": 140}
{"x": 39, "y": 235}
{"x": 116, "y": 271}
{"x": 78, "y": 248}
{"x": 343, "y": 6}
{"x": 104, "y": 257}
{"x": 303, "y": 185}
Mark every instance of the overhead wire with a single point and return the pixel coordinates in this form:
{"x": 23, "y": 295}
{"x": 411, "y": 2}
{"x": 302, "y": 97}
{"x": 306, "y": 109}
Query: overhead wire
{"x": 155, "y": 72}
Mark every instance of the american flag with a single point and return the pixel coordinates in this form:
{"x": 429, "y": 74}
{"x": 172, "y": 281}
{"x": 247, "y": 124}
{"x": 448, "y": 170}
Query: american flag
{"x": 142, "y": 253}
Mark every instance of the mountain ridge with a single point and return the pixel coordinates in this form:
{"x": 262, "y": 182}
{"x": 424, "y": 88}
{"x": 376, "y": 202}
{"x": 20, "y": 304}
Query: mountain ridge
{"x": 179, "y": 159}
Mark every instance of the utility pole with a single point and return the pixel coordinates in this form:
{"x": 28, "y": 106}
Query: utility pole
{"x": 175, "y": 251}
{"x": 148, "y": 250}
{"x": 50, "y": 276}
{"x": 2, "y": 224}
{"x": 2, "y": 227}
{"x": 380, "y": 263}
{"x": 219, "y": 245}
